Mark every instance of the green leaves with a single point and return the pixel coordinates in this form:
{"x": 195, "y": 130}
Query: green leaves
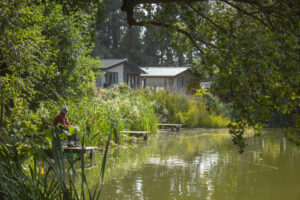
{"x": 44, "y": 52}
{"x": 252, "y": 50}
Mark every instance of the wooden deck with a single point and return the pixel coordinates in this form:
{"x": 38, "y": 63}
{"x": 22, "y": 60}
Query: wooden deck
{"x": 143, "y": 134}
{"x": 86, "y": 150}
{"x": 172, "y": 126}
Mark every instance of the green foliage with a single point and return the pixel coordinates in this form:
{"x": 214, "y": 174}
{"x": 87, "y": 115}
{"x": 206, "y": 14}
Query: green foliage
{"x": 44, "y": 53}
{"x": 115, "y": 39}
{"x": 43, "y": 60}
{"x": 200, "y": 92}
{"x": 113, "y": 109}
{"x": 251, "y": 48}
{"x": 27, "y": 134}
{"x": 237, "y": 130}
{"x": 190, "y": 111}
{"x": 38, "y": 176}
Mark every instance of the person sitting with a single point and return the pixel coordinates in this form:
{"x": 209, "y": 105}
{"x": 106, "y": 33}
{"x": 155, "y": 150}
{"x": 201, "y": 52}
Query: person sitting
{"x": 61, "y": 120}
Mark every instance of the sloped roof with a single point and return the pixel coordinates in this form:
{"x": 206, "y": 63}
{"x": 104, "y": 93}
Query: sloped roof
{"x": 110, "y": 63}
{"x": 163, "y": 71}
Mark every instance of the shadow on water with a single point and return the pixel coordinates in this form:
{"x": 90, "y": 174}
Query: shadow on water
{"x": 202, "y": 164}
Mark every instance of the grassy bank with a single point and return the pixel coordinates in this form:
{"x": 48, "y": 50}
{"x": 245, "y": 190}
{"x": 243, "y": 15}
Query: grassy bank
{"x": 115, "y": 109}
{"x": 27, "y": 135}
{"x": 192, "y": 111}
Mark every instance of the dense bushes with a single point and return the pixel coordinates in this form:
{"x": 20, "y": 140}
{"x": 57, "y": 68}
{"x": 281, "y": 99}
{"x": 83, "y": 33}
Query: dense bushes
{"x": 26, "y": 133}
{"x": 112, "y": 110}
{"x": 205, "y": 111}
{"x": 115, "y": 110}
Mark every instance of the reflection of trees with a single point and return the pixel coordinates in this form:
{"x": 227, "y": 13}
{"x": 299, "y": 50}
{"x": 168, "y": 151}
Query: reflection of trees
{"x": 262, "y": 172}
{"x": 181, "y": 166}
{"x": 204, "y": 165}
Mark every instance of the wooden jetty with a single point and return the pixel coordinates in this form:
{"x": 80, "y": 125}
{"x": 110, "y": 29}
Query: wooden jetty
{"x": 78, "y": 149}
{"x": 143, "y": 134}
{"x": 172, "y": 126}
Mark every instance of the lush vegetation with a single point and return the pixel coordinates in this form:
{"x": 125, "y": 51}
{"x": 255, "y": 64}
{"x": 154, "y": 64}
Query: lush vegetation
{"x": 45, "y": 63}
{"x": 44, "y": 60}
{"x": 29, "y": 140}
{"x": 202, "y": 110}
{"x": 115, "y": 39}
{"x": 250, "y": 47}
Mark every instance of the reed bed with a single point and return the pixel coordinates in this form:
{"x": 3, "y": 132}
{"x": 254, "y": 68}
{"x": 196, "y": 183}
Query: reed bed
{"x": 192, "y": 111}
{"x": 31, "y": 162}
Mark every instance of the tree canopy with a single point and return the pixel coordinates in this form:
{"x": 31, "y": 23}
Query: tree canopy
{"x": 145, "y": 47}
{"x": 44, "y": 49}
{"x": 250, "y": 47}
{"x": 44, "y": 58}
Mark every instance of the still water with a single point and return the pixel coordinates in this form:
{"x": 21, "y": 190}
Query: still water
{"x": 202, "y": 164}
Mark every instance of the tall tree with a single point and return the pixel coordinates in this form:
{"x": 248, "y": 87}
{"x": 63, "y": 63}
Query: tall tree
{"x": 115, "y": 39}
{"x": 253, "y": 46}
{"x": 44, "y": 53}
{"x": 110, "y": 32}
{"x": 150, "y": 43}
{"x": 131, "y": 45}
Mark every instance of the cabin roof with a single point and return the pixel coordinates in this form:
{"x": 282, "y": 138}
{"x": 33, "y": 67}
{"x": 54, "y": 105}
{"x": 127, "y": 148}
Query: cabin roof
{"x": 110, "y": 63}
{"x": 163, "y": 71}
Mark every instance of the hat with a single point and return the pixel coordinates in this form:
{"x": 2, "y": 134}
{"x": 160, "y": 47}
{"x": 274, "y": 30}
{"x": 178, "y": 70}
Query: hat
{"x": 64, "y": 108}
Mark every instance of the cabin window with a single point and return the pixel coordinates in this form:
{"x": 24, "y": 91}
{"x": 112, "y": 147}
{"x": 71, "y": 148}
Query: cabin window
{"x": 133, "y": 80}
{"x": 111, "y": 78}
{"x": 180, "y": 82}
{"x": 169, "y": 83}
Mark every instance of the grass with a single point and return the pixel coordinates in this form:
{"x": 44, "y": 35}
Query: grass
{"x": 191, "y": 111}
{"x": 38, "y": 176}
{"x": 27, "y": 172}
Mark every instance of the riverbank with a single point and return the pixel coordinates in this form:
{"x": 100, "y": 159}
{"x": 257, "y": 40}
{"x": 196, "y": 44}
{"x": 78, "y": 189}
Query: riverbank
{"x": 174, "y": 166}
{"x": 120, "y": 109}
{"x": 27, "y": 134}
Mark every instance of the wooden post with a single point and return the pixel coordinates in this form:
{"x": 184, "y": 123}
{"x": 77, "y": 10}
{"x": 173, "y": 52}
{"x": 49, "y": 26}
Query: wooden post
{"x": 91, "y": 154}
{"x": 146, "y": 136}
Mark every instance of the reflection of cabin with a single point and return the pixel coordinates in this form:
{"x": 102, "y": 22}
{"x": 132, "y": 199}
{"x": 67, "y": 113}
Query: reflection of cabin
{"x": 118, "y": 71}
{"x": 169, "y": 78}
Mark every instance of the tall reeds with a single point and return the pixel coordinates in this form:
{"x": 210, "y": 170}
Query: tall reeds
{"x": 43, "y": 174}
{"x": 32, "y": 165}
{"x": 192, "y": 111}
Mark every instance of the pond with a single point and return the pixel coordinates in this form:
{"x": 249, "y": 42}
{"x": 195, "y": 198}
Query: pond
{"x": 202, "y": 164}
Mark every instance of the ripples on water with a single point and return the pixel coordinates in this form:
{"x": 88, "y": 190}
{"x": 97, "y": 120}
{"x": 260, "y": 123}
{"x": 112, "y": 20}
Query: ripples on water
{"x": 203, "y": 164}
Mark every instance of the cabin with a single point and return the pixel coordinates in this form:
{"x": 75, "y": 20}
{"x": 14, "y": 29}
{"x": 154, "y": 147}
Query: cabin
{"x": 119, "y": 71}
{"x": 175, "y": 79}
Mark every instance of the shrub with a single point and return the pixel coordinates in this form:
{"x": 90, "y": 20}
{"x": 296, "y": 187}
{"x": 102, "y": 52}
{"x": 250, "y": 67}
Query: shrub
{"x": 202, "y": 110}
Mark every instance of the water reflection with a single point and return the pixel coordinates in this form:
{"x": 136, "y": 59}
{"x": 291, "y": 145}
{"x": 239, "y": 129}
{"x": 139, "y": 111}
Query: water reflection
{"x": 169, "y": 162}
{"x": 203, "y": 164}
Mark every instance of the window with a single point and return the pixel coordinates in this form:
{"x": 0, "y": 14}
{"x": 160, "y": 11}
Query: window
{"x": 111, "y": 78}
{"x": 133, "y": 80}
{"x": 180, "y": 82}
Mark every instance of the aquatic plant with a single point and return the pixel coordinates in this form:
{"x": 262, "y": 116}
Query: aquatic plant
{"x": 202, "y": 110}
{"x": 33, "y": 172}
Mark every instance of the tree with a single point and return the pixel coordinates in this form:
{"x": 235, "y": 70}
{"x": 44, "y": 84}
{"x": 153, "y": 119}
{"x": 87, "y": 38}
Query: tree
{"x": 114, "y": 39}
{"x": 44, "y": 53}
{"x": 131, "y": 45}
{"x": 110, "y": 32}
{"x": 251, "y": 46}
